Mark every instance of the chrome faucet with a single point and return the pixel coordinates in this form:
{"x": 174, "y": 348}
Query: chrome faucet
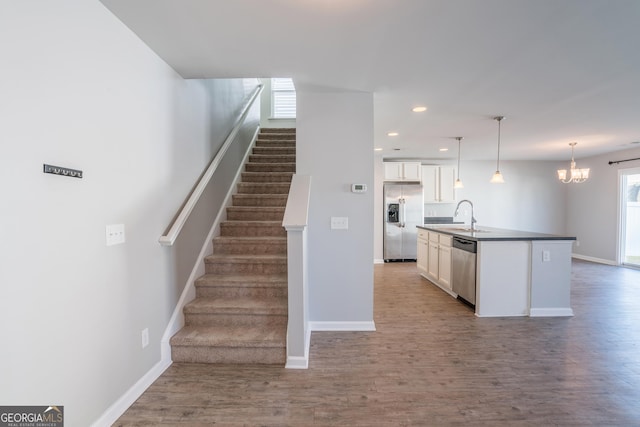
{"x": 473, "y": 220}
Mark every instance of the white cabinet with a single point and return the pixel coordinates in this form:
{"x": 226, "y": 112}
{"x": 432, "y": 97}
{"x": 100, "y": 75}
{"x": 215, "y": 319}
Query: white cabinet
{"x": 402, "y": 171}
{"x": 444, "y": 261}
{"x": 423, "y": 251}
{"x": 437, "y": 184}
{"x": 434, "y": 258}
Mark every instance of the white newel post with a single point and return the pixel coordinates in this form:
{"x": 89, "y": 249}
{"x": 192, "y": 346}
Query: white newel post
{"x": 295, "y": 222}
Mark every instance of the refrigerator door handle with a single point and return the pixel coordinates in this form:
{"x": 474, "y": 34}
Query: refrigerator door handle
{"x": 403, "y": 217}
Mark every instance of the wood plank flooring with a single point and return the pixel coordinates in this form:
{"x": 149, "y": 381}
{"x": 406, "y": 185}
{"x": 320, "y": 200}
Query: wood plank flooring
{"x": 432, "y": 362}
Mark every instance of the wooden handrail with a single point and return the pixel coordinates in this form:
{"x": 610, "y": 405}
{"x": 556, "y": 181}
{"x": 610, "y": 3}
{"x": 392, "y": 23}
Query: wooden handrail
{"x": 170, "y": 237}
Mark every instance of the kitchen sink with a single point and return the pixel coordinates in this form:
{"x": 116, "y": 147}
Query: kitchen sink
{"x": 466, "y": 230}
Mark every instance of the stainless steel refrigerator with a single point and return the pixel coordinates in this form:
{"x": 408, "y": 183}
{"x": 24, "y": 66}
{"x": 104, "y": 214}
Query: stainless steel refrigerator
{"x": 403, "y": 211}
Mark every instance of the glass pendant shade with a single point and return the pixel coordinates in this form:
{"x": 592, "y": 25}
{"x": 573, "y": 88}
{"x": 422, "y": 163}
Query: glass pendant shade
{"x": 458, "y": 184}
{"x": 497, "y": 178}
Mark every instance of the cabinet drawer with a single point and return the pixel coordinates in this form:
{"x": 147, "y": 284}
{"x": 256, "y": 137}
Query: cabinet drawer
{"x": 445, "y": 240}
{"x": 434, "y": 237}
{"x": 423, "y": 234}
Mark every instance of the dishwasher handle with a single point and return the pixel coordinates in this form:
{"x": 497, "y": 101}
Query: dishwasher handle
{"x": 465, "y": 245}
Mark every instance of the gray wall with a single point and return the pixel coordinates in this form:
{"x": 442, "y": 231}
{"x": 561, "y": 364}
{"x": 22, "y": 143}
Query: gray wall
{"x": 592, "y": 206}
{"x": 335, "y": 147}
{"x": 80, "y": 90}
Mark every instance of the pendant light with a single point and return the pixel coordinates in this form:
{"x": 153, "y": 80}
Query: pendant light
{"x": 575, "y": 175}
{"x": 458, "y": 183}
{"x": 497, "y": 176}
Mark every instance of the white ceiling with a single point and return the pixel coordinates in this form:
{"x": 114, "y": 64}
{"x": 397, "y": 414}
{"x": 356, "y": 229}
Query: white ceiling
{"x": 560, "y": 71}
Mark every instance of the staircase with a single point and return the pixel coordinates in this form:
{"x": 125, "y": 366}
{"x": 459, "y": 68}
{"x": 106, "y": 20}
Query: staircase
{"x": 239, "y": 315}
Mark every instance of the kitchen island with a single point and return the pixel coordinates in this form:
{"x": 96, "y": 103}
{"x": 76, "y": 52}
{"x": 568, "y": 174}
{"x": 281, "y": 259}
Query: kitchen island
{"x": 518, "y": 273}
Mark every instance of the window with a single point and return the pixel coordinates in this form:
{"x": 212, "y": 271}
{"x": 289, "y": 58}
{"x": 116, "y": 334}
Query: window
{"x": 283, "y": 98}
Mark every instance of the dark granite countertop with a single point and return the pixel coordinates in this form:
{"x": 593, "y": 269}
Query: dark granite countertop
{"x": 489, "y": 233}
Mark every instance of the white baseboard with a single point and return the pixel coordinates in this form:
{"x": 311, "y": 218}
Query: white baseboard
{"x": 297, "y": 362}
{"x": 378, "y": 261}
{"x": 550, "y": 312}
{"x": 115, "y": 411}
{"x": 300, "y": 362}
{"x": 368, "y": 326}
{"x": 593, "y": 259}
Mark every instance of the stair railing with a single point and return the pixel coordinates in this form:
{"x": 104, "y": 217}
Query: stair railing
{"x": 295, "y": 221}
{"x": 169, "y": 238}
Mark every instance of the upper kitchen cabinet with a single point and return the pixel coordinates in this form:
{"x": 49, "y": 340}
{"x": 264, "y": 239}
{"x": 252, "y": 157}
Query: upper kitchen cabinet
{"x": 437, "y": 184}
{"x": 402, "y": 171}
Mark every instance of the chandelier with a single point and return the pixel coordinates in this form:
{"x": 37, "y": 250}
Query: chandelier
{"x": 575, "y": 175}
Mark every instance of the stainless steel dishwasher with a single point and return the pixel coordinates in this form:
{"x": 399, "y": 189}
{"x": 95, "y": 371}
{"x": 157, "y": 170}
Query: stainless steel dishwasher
{"x": 463, "y": 264}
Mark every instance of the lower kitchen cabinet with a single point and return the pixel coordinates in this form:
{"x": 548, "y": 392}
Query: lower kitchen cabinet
{"x": 423, "y": 252}
{"x": 434, "y": 258}
{"x": 444, "y": 265}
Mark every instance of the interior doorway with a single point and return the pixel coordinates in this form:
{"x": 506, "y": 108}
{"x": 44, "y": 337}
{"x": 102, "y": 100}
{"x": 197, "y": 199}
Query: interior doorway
{"x": 630, "y": 217}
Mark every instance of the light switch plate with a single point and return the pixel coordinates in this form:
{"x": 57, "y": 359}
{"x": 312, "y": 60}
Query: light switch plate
{"x": 339, "y": 223}
{"x": 115, "y": 234}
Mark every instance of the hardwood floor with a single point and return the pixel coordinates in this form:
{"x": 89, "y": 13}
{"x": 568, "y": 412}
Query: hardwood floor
{"x": 432, "y": 362}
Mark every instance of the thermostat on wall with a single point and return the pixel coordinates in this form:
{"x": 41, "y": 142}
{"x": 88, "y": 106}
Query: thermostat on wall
{"x": 358, "y": 188}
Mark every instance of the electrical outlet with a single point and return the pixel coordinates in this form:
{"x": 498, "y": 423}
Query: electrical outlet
{"x": 115, "y": 234}
{"x": 546, "y": 256}
{"x": 145, "y": 337}
{"x": 339, "y": 223}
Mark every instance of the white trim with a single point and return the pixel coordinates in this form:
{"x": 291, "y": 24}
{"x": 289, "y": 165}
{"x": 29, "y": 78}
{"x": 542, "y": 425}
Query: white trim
{"x": 170, "y": 237}
{"x": 300, "y": 362}
{"x": 550, "y": 312}
{"x": 176, "y": 322}
{"x": 593, "y": 259}
{"x": 378, "y": 261}
{"x": 368, "y": 326}
{"x": 115, "y": 411}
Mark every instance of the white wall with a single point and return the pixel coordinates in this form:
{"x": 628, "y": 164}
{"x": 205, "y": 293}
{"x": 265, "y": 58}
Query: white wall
{"x": 531, "y": 199}
{"x": 80, "y": 90}
{"x": 592, "y": 206}
{"x": 335, "y": 147}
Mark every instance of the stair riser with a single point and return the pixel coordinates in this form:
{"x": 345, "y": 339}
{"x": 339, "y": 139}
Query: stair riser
{"x": 278, "y": 130}
{"x": 250, "y": 248}
{"x": 277, "y": 136}
{"x": 260, "y": 188}
{"x": 240, "y": 292}
{"x": 257, "y": 268}
{"x": 281, "y": 144}
{"x": 224, "y": 319}
{"x": 220, "y": 268}
{"x": 230, "y": 229}
{"x": 274, "y": 150}
{"x": 254, "y": 158}
{"x": 271, "y": 167}
{"x": 229, "y": 355}
{"x": 247, "y": 200}
{"x": 284, "y": 177}
{"x": 254, "y": 215}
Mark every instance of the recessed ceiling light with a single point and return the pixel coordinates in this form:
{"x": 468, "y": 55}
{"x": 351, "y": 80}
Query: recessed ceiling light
{"x": 393, "y": 134}
{"x": 377, "y": 149}
{"x": 444, "y": 149}
{"x": 419, "y": 109}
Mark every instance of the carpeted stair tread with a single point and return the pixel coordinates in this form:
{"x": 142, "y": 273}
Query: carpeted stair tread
{"x": 230, "y": 336}
{"x": 239, "y": 315}
{"x": 243, "y": 280}
{"x": 246, "y": 305}
{"x": 246, "y": 259}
